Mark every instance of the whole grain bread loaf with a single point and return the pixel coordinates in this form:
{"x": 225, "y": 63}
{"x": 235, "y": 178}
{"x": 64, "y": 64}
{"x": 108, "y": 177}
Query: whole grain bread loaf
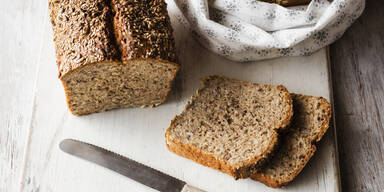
{"x": 287, "y": 3}
{"x": 113, "y": 53}
{"x": 310, "y": 122}
{"x": 230, "y": 125}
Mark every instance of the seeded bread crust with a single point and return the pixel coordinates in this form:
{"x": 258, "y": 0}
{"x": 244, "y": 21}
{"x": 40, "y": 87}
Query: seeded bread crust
{"x": 274, "y": 182}
{"x": 148, "y": 33}
{"x": 82, "y": 34}
{"x": 114, "y": 32}
{"x": 240, "y": 170}
{"x": 287, "y": 3}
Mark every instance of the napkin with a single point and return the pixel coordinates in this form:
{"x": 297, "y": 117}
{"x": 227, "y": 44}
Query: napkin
{"x": 249, "y": 30}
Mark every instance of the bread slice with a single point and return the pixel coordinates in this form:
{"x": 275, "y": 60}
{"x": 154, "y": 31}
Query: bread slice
{"x": 287, "y": 3}
{"x": 310, "y": 122}
{"x": 113, "y": 53}
{"x": 230, "y": 125}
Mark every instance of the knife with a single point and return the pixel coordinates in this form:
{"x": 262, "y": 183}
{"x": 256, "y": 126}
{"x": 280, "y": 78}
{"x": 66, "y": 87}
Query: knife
{"x": 125, "y": 166}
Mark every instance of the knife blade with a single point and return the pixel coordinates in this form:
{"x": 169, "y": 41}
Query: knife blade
{"x": 125, "y": 166}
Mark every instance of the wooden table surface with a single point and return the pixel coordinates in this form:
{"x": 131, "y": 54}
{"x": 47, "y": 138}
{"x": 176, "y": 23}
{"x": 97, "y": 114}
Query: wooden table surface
{"x": 358, "y": 82}
{"x": 358, "y": 75}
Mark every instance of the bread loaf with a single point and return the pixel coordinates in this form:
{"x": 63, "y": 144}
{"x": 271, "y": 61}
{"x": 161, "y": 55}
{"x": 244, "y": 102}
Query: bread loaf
{"x": 113, "y": 54}
{"x": 230, "y": 125}
{"x": 310, "y": 122}
{"x": 287, "y": 3}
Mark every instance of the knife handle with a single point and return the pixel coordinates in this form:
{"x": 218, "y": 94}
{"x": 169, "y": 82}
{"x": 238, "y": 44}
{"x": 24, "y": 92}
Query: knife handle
{"x": 189, "y": 188}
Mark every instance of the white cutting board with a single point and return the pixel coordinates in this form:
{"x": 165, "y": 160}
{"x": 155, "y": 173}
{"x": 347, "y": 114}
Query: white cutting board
{"x": 139, "y": 133}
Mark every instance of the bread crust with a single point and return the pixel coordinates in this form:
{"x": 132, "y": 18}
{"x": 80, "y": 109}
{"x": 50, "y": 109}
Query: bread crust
{"x": 325, "y": 124}
{"x": 276, "y": 183}
{"x": 288, "y": 119}
{"x": 237, "y": 171}
{"x": 81, "y": 33}
{"x": 84, "y": 34}
{"x": 143, "y": 30}
{"x": 287, "y": 3}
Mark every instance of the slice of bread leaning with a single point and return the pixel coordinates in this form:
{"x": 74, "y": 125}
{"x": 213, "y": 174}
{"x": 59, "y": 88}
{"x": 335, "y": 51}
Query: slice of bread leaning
{"x": 230, "y": 125}
{"x": 309, "y": 123}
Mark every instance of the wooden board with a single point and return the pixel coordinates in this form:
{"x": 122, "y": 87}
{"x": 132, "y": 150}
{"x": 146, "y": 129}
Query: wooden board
{"x": 139, "y": 133}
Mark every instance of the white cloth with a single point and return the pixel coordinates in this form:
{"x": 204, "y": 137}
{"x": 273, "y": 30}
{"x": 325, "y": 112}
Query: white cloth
{"x": 248, "y": 30}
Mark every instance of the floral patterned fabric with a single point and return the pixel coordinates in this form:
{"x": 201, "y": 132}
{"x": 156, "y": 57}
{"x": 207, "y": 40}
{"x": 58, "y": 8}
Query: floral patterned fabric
{"x": 249, "y": 30}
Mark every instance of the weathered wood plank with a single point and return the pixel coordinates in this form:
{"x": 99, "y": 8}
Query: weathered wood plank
{"x": 358, "y": 71}
{"x": 21, "y": 24}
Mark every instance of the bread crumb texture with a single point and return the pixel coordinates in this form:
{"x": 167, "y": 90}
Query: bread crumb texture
{"x": 310, "y": 122}
{"x": 230, "y": 125}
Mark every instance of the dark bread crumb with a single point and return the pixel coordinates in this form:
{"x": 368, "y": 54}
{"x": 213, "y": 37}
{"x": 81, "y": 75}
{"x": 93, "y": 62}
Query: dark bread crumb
{"x": 310, "y": 122}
